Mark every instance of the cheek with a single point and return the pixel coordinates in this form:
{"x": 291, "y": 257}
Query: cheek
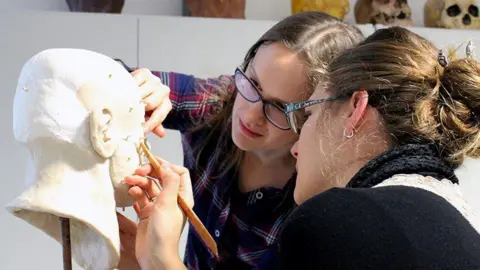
{"x": 122, "y": 164}
{"x": 240, "y": 104}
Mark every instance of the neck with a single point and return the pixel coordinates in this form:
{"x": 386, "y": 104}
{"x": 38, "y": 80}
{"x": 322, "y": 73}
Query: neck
{"x": 265, "y": 170}
{"x": 347, "y": 172}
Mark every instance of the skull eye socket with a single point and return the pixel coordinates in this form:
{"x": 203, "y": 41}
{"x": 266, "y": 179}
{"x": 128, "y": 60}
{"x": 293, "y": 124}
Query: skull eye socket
{"x": 473, "y": 10}
{"x": 454, "y": 11}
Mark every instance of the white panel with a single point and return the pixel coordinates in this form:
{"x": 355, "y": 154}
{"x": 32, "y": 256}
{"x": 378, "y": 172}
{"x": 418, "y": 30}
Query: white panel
{"x": 23, "y": 35}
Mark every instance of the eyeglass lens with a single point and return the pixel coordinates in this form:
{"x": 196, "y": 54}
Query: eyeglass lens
{"x": 273, "y": 113}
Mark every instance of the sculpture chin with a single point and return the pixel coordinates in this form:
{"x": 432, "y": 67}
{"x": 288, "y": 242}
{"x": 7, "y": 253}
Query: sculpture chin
{"x": 123, "y": 163}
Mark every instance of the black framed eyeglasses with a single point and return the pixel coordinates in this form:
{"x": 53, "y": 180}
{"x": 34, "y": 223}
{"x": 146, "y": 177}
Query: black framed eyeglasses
{"x": 295, "y": 112}
{"x": 274, "y": 112}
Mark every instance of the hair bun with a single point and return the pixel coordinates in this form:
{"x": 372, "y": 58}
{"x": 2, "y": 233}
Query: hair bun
{"x": 457, "y": 110}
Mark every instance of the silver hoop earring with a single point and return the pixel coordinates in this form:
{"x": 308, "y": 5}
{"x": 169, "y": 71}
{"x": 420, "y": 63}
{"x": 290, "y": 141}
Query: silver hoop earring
{"x": 349, "y": 135}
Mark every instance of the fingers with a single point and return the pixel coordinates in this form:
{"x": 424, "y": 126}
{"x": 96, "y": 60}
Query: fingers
{"x": 171, "y": 184}
{"x": 159, "y": 131}
{"x": 143, "y": 183}
{"x": 145, "y": 170}
{"x": 141, "y": 76}
{"x": 139, "y": 195}
{"x": 185, "y": 183}
{"x": 156, "y": 97}
{"x": 158, "y": 115}
{"x": 159, "y": 94}
{"x": 143, "y": 213}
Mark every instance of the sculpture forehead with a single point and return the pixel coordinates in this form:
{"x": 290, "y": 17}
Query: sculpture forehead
{"x": 46, "y": 101}
{"x": 73, "y": 69}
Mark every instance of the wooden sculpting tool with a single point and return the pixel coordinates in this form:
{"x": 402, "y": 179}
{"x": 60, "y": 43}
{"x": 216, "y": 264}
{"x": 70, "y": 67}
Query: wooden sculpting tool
{"x": 192, "y": 217}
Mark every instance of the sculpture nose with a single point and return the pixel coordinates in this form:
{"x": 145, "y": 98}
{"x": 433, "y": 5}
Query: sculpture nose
{"x": 467, "y": 20}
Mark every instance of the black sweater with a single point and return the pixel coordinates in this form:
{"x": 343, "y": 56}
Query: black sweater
{"x": 387, "y": 228}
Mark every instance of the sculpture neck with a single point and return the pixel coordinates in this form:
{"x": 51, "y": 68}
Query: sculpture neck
{"x": 60, "y": 162}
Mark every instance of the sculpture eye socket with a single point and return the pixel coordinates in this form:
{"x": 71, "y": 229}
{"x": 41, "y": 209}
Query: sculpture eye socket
{"x": 473, "y": 10}
{"x": 454, "y": 11}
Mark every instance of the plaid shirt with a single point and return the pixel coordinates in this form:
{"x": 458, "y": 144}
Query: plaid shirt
{"x": 246, "y": 226}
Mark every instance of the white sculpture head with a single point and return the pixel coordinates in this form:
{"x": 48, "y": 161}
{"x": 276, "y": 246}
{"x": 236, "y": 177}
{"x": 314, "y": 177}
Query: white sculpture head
{"x": 81, "y": 117}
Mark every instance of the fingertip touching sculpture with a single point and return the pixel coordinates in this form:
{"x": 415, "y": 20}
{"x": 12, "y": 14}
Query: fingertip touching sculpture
{"x": 80, "y": 115}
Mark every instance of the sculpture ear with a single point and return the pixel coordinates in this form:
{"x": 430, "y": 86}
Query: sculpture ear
{"x": 100, "y": 128}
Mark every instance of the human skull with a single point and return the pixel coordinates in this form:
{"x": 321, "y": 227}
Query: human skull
{"x": 452, "y": 14}
{"x": 385, "y": 12}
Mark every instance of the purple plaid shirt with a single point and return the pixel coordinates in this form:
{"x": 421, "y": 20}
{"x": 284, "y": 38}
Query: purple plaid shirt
{"x": 246, "y": 226}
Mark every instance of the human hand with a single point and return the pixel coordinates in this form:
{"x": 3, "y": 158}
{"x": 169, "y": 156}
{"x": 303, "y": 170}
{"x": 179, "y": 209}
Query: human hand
{"x": 128, "y": 231}
{"x": 161, "y": 218}
{"x": 155, "y": 95}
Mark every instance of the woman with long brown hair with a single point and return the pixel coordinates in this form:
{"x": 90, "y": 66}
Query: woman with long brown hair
{"x": 236, "y": 138}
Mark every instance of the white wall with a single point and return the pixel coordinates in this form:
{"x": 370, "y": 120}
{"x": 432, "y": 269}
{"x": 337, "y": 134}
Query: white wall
{"x": 255, "y": 9}
{"x": 203, "y": 47}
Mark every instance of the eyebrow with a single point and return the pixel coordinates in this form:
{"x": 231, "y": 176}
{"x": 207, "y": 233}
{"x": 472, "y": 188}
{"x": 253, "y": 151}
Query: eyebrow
{"x": 256, "y": 80}
{"x": 259, "y": 85}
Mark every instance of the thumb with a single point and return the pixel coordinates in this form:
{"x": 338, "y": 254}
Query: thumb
{"x": 170, "y": 182}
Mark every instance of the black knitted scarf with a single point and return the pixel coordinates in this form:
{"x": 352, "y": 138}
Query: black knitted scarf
{"x": 406, "y": 159}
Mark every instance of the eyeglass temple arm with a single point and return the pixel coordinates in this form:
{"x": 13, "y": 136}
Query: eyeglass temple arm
{"x": 290, "y": 107}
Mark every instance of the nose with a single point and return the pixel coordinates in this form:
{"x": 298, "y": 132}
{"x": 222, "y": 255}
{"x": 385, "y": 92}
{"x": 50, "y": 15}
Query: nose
{"x": 254, "y": 116}
{"x": 294, "y": 150}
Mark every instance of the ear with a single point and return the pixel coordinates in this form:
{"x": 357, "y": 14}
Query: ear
{"x": 357, "y": 108}
{"x": 100, "y": 128}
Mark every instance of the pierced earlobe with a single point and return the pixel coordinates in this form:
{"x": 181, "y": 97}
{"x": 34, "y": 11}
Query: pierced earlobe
{"x": 348, "y": 136}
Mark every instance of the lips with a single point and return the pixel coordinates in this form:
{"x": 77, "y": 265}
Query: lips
{"x": 248, "y": 132}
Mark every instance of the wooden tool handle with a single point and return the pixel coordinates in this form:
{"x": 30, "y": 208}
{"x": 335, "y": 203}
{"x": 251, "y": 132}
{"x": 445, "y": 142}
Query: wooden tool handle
{"x": 192, "y": 217}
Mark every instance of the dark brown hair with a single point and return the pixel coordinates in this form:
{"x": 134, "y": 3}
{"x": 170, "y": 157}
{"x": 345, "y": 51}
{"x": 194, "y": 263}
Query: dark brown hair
{"x": 316, "y": 37}
{"x": 420, "y": 101}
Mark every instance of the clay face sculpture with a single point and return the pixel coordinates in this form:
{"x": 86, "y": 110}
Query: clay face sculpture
{"x": 80, "y": 115}
{"x": 452, "y": 14}
{"x": 385, "y": 12}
